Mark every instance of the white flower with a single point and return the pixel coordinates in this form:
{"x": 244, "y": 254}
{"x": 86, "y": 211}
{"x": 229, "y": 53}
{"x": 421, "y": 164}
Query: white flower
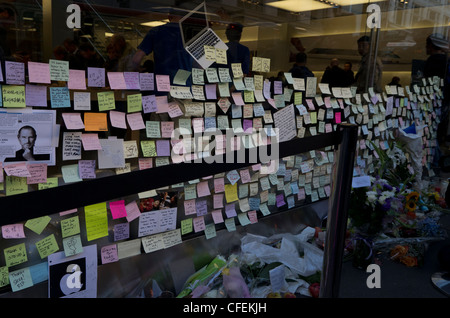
{"x": 371, "y": 196}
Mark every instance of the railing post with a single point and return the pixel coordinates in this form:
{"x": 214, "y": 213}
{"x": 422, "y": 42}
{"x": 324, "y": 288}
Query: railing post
{"x": 337, "y": 211}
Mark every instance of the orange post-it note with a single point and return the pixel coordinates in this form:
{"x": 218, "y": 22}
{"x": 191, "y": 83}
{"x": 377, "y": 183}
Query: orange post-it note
{"x": 95, "y": 122}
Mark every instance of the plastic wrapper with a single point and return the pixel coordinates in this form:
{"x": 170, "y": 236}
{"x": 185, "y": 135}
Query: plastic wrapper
{"x": 412, "y": 137}
{"x": 258, "y": 249}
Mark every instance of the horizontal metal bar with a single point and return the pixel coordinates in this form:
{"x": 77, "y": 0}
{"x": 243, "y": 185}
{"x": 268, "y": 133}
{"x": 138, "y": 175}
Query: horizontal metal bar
{"x": 34, "y": 204}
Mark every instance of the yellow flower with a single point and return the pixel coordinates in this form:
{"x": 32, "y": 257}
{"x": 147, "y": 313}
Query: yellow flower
{"x": 399, "y": 251}
{"x": 409, "y": 261}
{"x": 411, "y": 206}
{"x": 413, "y": 196}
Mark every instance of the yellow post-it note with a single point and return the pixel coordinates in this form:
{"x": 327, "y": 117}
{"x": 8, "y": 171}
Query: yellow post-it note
{"x": 106, "y": 101}
{"x": 221, "y": 56}
{"x": 96, "y": 221}
{"x": 236, "y": 68}
{"x": 37, "y": 225}
{"x": 51, "y": 183}
{"x": 47, "y": 246}
{"x": 16, "y": 185}
{"x": 4, "y": 276}
{"x": 15, "y": 255}
{"x": 148, "y": 148}
{"x": 95, "y": 122}
{"x": 70, "y": 226}
{"x": 13, "y": 96}
{"x": 231, "y": 193}
{"x": 134, "y": 103}
{"x": 210, "y": 53}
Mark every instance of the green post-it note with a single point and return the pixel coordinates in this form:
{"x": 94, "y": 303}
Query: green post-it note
{"x": 37, "y": 225}
{"x": 70, "y": 226}
{"x": 70, "y": 173}
{"x": 181, "y": 77}
{"x": 13, "y": 96}
{"x": 59, "y": 70}
{"x": 134, "y": 103}
{"x": 4, "y": 276}
{"x": 96, "y": 221}
{"x": 243, "y": 219}
{"x": 15, "y": 255}
{"x": 20, "y": 279}
{"x": 186, "y": 226}
{"x": 51, "y": 183}
{"x": 16, "y": 185}
{"x": 72, "y": 245}
{"x": 210, "y": 231}
{"x": 230, "y": 224}
{"x": 148, "y": 148}
{"x": 106, "y": 101}
{"x": 47, "y": 246}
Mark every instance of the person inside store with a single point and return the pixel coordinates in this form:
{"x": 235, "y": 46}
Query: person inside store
{"x": 166, "y": 43}
{"x": 349, "y": 76}
{"x": 366, "y": 68}
{"x": 27, "y": 139}
{"x": 89, "y": 57}
{"x": 299, "y": 69}
{"x": 395, "y": 81}
{"x": 333, "y": 75}
{"x": 120, "y": 55}
{"x": 73, "y": 53}
{"x": 237, "y": 52}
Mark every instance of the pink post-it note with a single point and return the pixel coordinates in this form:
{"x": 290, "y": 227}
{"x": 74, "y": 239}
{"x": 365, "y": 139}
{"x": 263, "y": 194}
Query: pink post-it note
{"x": 13, "y": 231}
{"x": 133, "y": 211}
{"x": 218, "y": 201}
{"x": 189, "y": 207}
{"x": 36, "y": 95}
{"x": 118, "y": 209}
{"x": 109, "y": 254}
{"x": 73, "y": 121}
{"x": 217, "y": 216}
{"x": 39, "y": 72}
{"x": 167, "y": 128}
{"x": 219, "y": 185}
{"x": 135, "y": 121}
{"x": 252, "y": 217}
{"x": 245, "y": 176}
{"x": 199, "y": 224}
{"x": 116, "y": 80}
{"x": 162, "y": 104}
{"x": 145, "y": 163}
{"x": 17, "y": 170}
{"x": 175, "y": 110}
{"x": 163, "y": 83}
{"x": 237, "y": 98}
{"x": 117, "y": 119}
{"x": 77, "y": 79}
{"x": 203, "y": 189}
{"x": 91, "y": 142}
{"x": 38, "y": 172}
{"x": 132, "y": 80}
{"x": 337, "y": 118}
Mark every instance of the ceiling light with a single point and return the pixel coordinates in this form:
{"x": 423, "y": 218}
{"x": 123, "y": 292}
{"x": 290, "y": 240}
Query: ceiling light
{"x": 354, "y": 2}
{"x": 155, "y": 23}
{"x": 299, "y": 5}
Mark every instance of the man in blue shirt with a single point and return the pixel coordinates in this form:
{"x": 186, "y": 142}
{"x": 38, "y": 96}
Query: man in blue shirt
{"x": 168, "y": 50}
{"x": 237, "y": 53}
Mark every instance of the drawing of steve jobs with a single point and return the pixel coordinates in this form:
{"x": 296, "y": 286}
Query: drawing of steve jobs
{"x": 27, "y": 137}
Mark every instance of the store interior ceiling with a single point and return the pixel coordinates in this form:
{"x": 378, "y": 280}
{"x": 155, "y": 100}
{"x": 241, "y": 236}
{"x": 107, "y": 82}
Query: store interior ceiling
{"x": 331, "y": 31}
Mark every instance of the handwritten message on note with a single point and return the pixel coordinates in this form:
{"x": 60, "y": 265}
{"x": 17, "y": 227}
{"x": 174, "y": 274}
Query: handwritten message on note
{"x": 96, "y": 221}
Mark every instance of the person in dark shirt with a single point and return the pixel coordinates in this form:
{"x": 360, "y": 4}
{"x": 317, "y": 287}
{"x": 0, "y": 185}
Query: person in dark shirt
{"x": 169, "y": 54}
{"x": 27, "y": 138}
{"x": 299, "y": 69}
{"x": 349, "y": 76}
{"x": 436, "y": 64}
{"x": 334, "y": 75}
{"x": 237, "y": 52}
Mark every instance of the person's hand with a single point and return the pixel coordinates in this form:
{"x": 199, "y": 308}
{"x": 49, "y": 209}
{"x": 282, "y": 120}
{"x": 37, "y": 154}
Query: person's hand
{"x": 27, "y": 154}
